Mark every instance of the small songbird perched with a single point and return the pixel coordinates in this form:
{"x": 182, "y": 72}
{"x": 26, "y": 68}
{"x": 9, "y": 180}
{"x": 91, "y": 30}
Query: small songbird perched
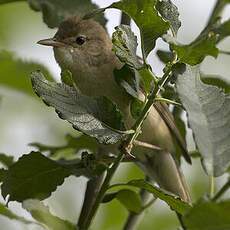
{"x": 84, "y": 48}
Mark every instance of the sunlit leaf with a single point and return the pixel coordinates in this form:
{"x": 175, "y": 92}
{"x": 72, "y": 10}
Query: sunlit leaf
{"x": 42, "y": 214}
{"x": 208, "y": 111}
{"x": 92, "y": 116}
{"x": 55, "y": 11}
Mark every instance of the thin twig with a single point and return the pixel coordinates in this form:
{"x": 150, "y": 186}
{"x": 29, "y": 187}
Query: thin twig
{"x": 146, "y": 145}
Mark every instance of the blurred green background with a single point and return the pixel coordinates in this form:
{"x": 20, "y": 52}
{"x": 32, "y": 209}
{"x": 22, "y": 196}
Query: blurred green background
{"x": 25, "y": 119}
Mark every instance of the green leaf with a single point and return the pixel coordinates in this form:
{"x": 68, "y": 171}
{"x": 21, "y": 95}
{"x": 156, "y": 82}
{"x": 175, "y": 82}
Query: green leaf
{"x": 165, "y": 56}
{"x": 67, "y": 77}
{"x": 6, "y": 160}
{"x": 209, "y": 117}
{"x": 223, "y": 30}
{"x": 172, "y": 200}
{"x": 33, "y": 176}
{"x": 208, "y": 216}
{"x": 109, "y": 197}
{"x": 217, "y": 81}
{"x": 125, "y": 46}
{"x": 170, "y": 13}
{"x": 128, "y": 79}
{"x": 96, "y": 117}
{"x": 136, "y": 108}
{"x": 195, "y": 52}
{"x": 42, "y": 214}
{"x": 2, "y": 174}
{"x": 4, "y": 211}
{"x": 130, "y": 199}
{"x": 14, "y": 72}
{"x": 70, "y": 150}
{"x": 147, "y": 18}
{"x": 56, "y": 11}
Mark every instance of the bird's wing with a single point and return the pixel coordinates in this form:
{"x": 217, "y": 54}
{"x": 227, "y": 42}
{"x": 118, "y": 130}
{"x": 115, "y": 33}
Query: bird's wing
{"x": 168, "y": 118}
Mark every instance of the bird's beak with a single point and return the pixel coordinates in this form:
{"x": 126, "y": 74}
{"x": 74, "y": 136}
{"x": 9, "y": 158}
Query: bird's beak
{"x": 51, "y": 42}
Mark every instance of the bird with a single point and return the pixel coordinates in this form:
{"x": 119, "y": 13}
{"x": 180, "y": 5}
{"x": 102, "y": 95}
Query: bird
{"x": 84, "y": 47}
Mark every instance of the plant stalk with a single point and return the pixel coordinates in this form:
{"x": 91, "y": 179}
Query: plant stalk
{"x": 221, "y": 191}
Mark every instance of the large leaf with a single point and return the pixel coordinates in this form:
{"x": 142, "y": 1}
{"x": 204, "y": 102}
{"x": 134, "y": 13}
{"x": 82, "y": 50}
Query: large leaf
{"x": 37, "y": 176}
{"x": 147, "y": 18}
{"x": 55, "y": 11}
{"x": 14, "y": 72}
{"x": 208, "y": 111}
{"x": 33, "y": 176}
{"x": 5, "y": 211}
{"x": 92, "y": 116}
{"x": 170, "y": 13}
{"x": 208, "y": 216}
{"x": 42, "y": 214}
{"x": 172, "y": 200}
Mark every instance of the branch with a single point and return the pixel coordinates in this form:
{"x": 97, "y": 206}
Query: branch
{"x": 221, "y": 191}
{"x": 102, "y": 191}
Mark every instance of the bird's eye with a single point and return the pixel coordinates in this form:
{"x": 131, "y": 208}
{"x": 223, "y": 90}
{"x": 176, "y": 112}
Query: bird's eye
{"x": 80, "y": 40}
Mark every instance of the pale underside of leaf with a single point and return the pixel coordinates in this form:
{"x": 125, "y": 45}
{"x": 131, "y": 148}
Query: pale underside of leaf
{"x": 208, "y": 110}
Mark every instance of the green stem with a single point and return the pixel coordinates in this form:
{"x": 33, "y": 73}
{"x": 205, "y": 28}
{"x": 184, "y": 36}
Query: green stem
{"x": 102, "y": 191}
{"x": 133, "y": 218}
{"x": 212, "y": 186}
{"x": 221, "y": 191}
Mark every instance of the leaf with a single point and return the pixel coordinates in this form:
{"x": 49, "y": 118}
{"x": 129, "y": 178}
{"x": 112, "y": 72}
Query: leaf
{"x": 6, "y": 160}
{"x": 223, "y": 30}
{"x": 4, "y": 211}
{"x": 136, "y": 108}
{"x": 14, "y": 72}
{"x": 109, "y": 197}
{"x": 195, "y": 52}
{"x": 9, "y": 1}
{"x": 33, "y": 176}
{"x": 2, "y": 174}
{"x": 128, "y": 79}
{"x": 130, "y": 199}
{"x": 67, "y": 77}
{"x": 96, "y": 117}
{"x": 217, "y": 81}
{"x": 170, "y": 13}
{"x": 147, "y": 18}
{"x": 209, "y": 117}
{"x": 165, "y": 56}
{"x": 208, "y": 216}
{"x": 125, "y": 46}
{"x": 42, "y": 214}
{"x": 172, "y": 200}
{"x": 56, "y": 11}
{"x": 73, "y": 146}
